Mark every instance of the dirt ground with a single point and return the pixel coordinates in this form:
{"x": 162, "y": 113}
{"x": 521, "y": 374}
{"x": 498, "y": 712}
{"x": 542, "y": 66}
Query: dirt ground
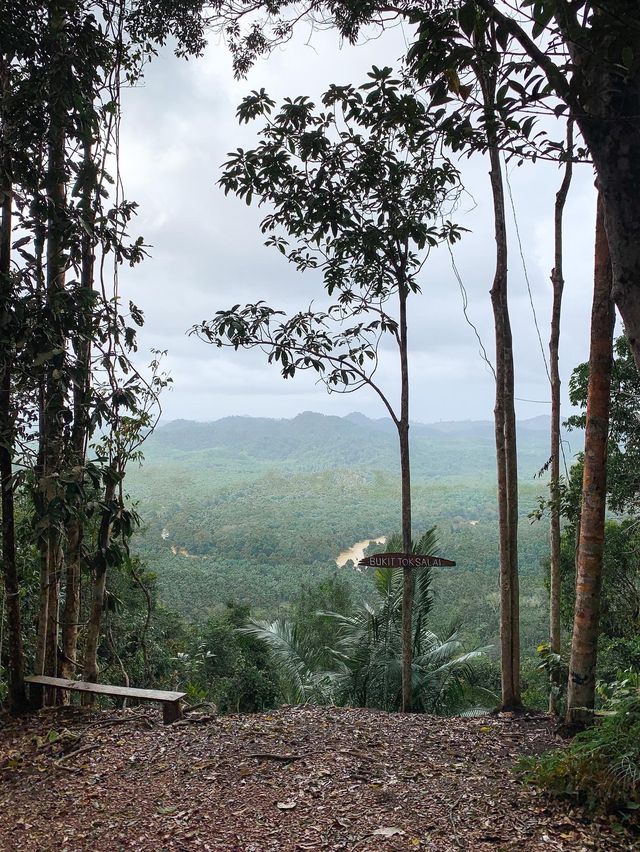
{"x": 300, "y": 778}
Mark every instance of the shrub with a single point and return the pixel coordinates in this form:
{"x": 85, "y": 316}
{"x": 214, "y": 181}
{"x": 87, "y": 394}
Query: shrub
{"x": 601, "y": 766}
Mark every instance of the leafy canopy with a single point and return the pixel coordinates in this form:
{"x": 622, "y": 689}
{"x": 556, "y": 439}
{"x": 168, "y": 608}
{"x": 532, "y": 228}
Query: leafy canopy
{"x": 357, "y": 190}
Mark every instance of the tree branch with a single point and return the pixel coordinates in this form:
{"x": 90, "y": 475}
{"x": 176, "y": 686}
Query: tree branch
{"x": 553, "y": 74}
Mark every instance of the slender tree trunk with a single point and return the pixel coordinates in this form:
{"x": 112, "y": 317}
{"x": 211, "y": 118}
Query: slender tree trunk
{"x": 505, "y": 422}
{"x": 80, "y": 431}
{"x": 71, "y": 609}
{"x": 17, "y": 696}
{"x": 90, "y": 663}
{"x": 40, "y": 513}
{"x": 51, "y": 437}
{"x": 557, "y": 281}
{"x": 405, "y": 473}
{"x": 39, "y": 214}
{"x": 512, "y": 693}
{"x": 584, "y": 645}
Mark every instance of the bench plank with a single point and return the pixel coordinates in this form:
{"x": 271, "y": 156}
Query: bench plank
{"x": 171, "y": 710}
{"x": 106, "y": 689}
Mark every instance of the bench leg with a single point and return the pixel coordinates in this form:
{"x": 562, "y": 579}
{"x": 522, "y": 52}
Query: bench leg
{"x": 171, "y": 712}
{"x": 36, "y": 697}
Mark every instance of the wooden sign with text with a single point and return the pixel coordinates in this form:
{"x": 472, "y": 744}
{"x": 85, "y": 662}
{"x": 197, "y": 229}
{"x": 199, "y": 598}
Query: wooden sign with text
{"x": 404, "y": 560}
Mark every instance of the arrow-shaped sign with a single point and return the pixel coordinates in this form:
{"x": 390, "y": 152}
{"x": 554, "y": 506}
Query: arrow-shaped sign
{"x": 404, "y": 560}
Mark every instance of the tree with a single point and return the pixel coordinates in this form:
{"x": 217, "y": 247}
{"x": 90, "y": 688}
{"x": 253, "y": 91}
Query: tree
{"x": 17, "y": 695}
{"x": 581, "y": 691}
{"x": 487, "y": 72}
{"x": 360, "y": 190}
{"x": 557, "y": 282}
{"x": 620, "y": 598}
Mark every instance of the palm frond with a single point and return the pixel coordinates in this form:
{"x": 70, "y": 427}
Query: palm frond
{"x": 386, "y": 582}
{"x": 296, "y": 660}
{"x": 427, "y": 544}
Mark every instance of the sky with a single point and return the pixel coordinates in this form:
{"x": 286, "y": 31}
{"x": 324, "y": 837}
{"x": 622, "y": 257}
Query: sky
{"x": 207, "y": 252}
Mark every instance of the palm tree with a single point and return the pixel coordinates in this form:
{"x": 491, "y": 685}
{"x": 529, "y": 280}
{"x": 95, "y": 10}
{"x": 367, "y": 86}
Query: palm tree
{"x": 367, "y": 651}
{"x": 369, "y": 647}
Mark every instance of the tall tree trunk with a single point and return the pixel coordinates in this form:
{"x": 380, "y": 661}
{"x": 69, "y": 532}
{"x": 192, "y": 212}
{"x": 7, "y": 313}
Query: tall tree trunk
{"x": 584, "y": 644}
{"x": 505, "y": 419}
{"x": 39, "y": 214}
{"x": 405, "y": 474}
{"x": 511, "y": 693}
{"x": 80, "y": 431}
{"x": 17, "y": 696}
{"x": 71, "y": 608}
{"x": 90, "y": 662}
{"x": 617, "y": 179}
{"x": 608, "y": 115}
{"x": 557, "y": 281}
{"x": 51, "y": 436}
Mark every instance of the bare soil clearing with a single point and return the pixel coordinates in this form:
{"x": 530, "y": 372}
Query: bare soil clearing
{"x": 300, "y": 778}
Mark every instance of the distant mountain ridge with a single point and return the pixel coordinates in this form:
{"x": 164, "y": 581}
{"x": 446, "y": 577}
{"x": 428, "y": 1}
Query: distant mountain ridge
{"x": 538, "y": 424}
{"x": 312, "y": 441}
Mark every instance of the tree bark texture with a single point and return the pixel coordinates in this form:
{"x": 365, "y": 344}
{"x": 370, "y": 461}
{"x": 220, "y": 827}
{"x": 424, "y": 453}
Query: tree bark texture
{"x": 584, "y": 643}
{"x": 17, "y": 695}
{"x": 506, "y": 462}
{"x": 71, "y": 608}
{"x": 557, "y": 281}
{"x": 405, "y": 472}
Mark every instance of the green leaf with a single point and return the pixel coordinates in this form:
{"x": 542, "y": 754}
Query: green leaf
{"x": 467, "y": 18}
{"x": 502, "y": 37}
{"x": 542, "y": 14}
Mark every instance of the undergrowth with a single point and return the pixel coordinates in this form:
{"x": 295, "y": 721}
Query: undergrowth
{"x": 601, "y": 766}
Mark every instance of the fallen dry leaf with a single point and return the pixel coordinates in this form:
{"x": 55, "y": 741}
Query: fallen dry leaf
{"x": 388, "y": 832}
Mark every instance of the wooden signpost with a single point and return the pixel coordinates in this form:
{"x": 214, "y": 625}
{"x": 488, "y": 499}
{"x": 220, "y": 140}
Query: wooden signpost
{"x": 405, "y": 560}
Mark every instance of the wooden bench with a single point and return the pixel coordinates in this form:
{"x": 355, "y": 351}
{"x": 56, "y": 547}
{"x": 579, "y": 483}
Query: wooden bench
{"x": 170, "y": 701}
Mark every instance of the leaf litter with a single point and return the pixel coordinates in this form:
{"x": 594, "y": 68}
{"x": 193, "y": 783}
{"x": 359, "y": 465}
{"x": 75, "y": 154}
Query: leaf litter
{"x": 299, "y": 778}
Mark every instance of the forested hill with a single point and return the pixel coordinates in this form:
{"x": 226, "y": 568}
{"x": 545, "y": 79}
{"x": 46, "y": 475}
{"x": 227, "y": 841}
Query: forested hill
{"x": 252, "y": 509}
{"x": 314, "y": 442}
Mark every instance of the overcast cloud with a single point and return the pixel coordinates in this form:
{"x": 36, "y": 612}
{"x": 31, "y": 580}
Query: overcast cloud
{"x": 208, "y": 252}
